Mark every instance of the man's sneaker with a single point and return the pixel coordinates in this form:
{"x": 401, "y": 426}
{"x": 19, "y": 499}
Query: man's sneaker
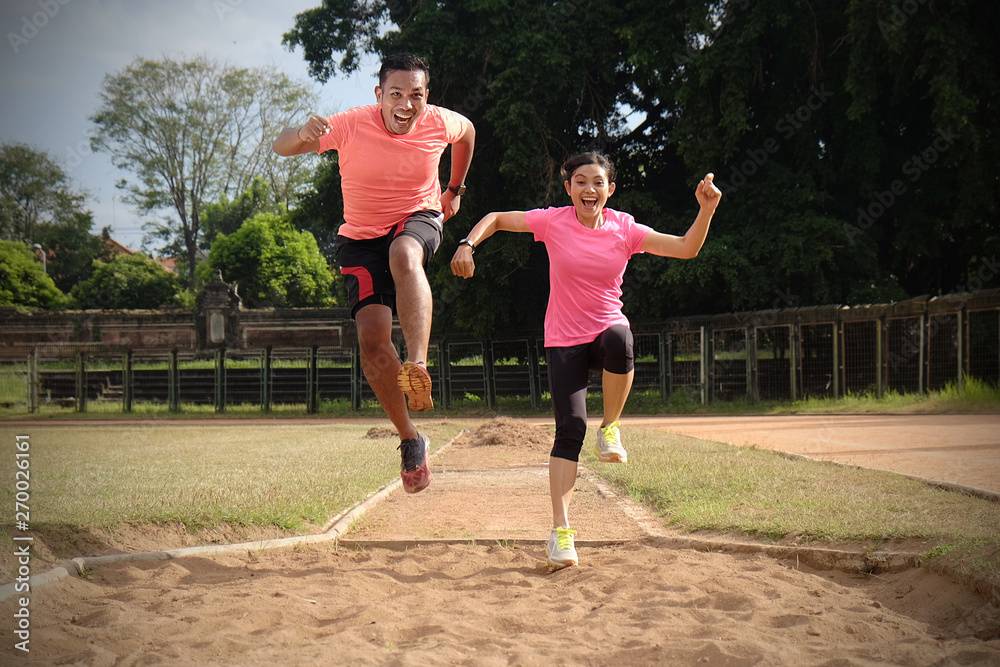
{"x": 414, "y": 471}
{"x": 415, "y": 382}
{"x": 560, "y": 549}
{"x": 609, "y": 444}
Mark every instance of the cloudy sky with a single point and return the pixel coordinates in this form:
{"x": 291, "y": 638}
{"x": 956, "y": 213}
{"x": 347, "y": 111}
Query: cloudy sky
{"x": 55, "y": 54}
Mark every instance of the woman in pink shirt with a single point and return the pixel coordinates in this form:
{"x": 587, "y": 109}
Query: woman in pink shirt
{"x": 588, "y": 246}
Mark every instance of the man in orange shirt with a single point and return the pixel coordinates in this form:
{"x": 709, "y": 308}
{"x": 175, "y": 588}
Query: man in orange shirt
{"x": 394, "y": 211}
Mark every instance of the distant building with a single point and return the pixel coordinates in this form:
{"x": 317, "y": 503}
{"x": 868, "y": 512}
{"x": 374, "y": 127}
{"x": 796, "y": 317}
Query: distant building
{"x": 169, "y": 263}
{"x": 117, "y": 248}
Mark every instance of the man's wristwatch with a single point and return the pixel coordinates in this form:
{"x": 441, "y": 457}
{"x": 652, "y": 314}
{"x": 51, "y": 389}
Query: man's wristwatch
{"x": 468, "y": 243}
{"x": 459, "y": 191}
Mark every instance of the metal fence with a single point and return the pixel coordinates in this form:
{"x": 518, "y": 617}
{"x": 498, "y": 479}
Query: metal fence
{"x": 910, "y": 347}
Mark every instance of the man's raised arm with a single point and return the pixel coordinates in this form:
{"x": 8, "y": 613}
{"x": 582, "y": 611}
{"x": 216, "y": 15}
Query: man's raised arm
{"x": 299, "y": 140}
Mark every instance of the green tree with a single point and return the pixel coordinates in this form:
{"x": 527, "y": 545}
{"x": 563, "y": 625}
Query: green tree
{"x": 23, "y": 282}
{"x": 854, "y": 140}
{"x": 71, "y": 250}
{"x": 849, "y": 113}
{"x": 34, "y": 191}
{"x": 320, "y": 207}
{"x": 273, "y": 264}
{"x": 193, "y": 131}
{"x": 924, "y": 86}
{"x": 127, "y": 282}
{"x": 225, "y": 216}
{"x": 37, "y": 205}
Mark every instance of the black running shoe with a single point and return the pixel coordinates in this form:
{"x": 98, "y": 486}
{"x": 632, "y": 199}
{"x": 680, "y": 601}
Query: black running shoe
{"x": 414, "y": 471}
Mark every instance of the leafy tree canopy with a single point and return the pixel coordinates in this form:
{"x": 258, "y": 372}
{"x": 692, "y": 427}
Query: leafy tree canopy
{"x": 193, "y": 131}
{"x": 34, "y": 191}
{"x": 225, "y": 216}
{"x": 127, "y": 282}
{"x": 854, "y": 140}
{"x": 71, "y": 249}
{"x": 23, "y": 283}
{"x": 273, "y": 264}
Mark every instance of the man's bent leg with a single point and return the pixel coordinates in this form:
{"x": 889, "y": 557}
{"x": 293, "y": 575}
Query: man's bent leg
{"x": 381, "y": 364}
{"x": 414, "y": 303}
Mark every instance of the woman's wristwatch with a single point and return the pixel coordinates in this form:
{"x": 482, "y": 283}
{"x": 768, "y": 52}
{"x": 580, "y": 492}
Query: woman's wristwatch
{"x": 468, "y": 243}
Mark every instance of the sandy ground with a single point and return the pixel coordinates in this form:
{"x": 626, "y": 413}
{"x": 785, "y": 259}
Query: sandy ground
{"x": 457, "y": 575}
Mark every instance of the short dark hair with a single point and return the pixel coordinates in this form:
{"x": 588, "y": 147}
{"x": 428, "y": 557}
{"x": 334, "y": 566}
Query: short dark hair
{"x": 403, "y": 62}
{"x": 574, "y": 162}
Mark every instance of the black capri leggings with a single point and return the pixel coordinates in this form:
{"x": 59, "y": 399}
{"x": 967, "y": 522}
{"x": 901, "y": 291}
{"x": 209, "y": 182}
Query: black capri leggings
{"x": 569, "y": 371}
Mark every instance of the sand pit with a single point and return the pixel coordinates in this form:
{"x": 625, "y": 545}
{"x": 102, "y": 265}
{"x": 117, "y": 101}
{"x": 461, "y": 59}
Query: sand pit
{"x": 487, "y": 604}
{"x": 457, "y": 575}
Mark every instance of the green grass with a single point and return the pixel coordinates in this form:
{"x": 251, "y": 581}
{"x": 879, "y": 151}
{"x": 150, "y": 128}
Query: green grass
{"x": 13, "y": 385}
{"x": 698, "y": 485}
{"x": 701, "y": 485}
{"x": 293, "y": 477}
{"x": 974, "y": 396}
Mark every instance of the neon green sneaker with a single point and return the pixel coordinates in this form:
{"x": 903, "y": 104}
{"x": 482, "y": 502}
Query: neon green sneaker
{"x": 560, "y": 549}
{"x": 609, "y": 444}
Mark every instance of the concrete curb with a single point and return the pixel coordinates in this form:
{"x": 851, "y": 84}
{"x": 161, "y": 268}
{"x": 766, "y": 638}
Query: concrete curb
{"x": 818, "y": 558}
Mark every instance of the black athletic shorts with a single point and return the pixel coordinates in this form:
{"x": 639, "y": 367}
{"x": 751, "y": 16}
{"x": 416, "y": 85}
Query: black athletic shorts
{"x": 365, "y": 263}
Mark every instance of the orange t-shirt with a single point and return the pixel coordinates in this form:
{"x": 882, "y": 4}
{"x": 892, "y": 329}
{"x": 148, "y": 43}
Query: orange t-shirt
{"x": 387, "y": 177}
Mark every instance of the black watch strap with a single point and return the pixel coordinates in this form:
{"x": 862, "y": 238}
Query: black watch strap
{"x": 459, "y": 191}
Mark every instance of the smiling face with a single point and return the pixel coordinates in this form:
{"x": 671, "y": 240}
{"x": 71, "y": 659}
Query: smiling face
{"x": 589, "y": 187}
{"x": 402, "y": 98}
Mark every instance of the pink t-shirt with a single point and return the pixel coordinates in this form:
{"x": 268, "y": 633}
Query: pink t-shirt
{"x": 585, "y": 271}
{"x": 386, "y": 177}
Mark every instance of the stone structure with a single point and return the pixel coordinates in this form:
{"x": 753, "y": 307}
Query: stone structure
{"x": 218, "y": 321}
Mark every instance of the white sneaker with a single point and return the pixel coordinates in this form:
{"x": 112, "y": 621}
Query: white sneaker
{"x": 609, "y": 444}
{"x": 560, "y": 549}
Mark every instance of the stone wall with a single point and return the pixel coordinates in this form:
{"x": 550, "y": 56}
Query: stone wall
{"x": 219, "y": 320}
